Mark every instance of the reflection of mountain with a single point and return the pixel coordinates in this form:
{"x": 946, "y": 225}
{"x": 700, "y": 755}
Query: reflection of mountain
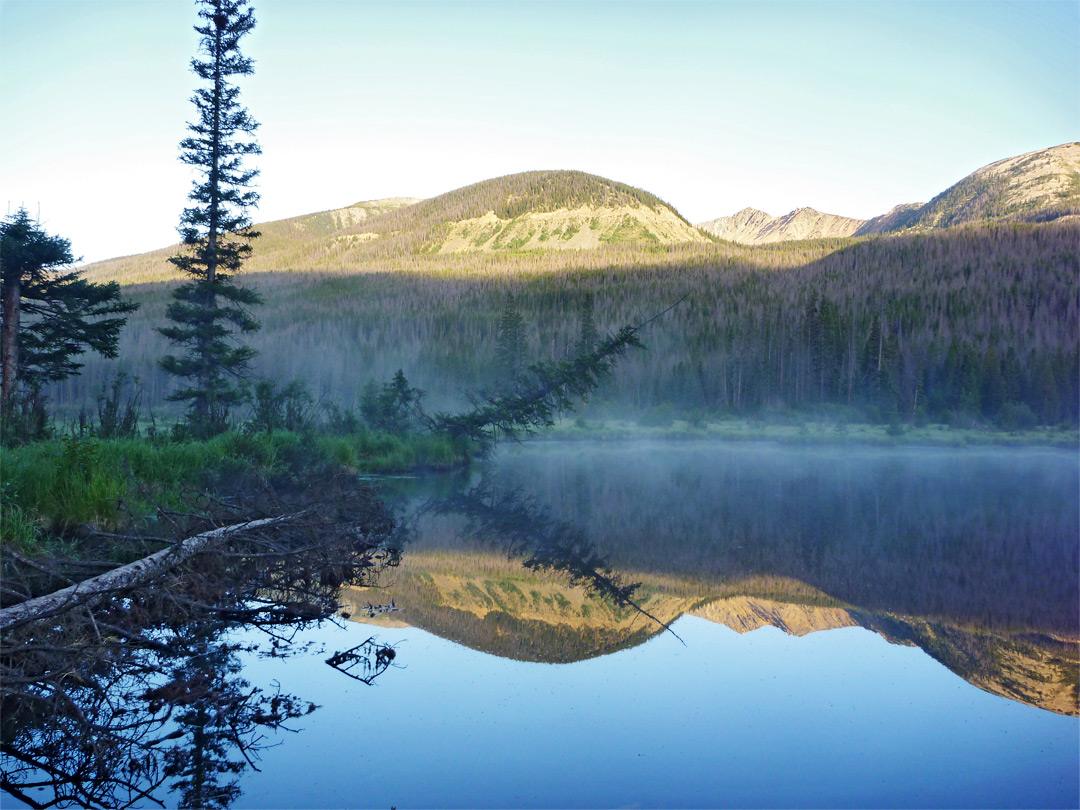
{"x": 489, "y": 603}
{"x": 966, "y": 537}
{"x": 744, "y": 614}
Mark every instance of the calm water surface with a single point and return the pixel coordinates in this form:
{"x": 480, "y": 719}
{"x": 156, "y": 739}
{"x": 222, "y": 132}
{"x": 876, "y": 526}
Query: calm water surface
{"x": 862, "y": 628}
{"x": 865, "y": 628}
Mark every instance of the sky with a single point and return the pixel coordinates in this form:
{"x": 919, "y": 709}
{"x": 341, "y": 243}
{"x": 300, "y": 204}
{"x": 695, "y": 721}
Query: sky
{"x": 847, "y": 107}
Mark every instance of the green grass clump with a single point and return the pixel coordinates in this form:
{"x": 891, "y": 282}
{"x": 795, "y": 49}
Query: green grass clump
{"x": 53, "y": 486}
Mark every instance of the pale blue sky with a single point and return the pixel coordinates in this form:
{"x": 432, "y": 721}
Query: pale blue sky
{"x": 848, "y": 107}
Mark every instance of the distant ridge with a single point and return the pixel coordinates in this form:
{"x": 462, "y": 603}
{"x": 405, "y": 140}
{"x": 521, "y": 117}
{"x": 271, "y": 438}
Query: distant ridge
{"x": 1033, "y": 187}
{"x": 529, "y": 212}
{"x": 753, "y": 227}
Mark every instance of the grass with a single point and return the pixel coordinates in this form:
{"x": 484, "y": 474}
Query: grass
{"x": 50, "y": 487}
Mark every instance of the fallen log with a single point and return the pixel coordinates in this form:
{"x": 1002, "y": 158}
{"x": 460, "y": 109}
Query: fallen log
{"x": 127, "y": 576}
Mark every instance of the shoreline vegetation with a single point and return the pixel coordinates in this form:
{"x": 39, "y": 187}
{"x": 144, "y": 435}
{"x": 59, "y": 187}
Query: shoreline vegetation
{"x": 815, "y": 431}
{"x": 54, "y": 489}
{"x": 57, "y": 489}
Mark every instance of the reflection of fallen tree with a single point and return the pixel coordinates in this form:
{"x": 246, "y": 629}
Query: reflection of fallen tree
{"x": 524, "y": 529}
{"x": 364, "y": 662}
{"x": 134, "y": 687}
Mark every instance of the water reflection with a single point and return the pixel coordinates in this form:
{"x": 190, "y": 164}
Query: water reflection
{"x": 562, "y": 554}
{"x": 121, "y": 701}
{"x": 515, "y": 523}
{"x": 971, "y": 556}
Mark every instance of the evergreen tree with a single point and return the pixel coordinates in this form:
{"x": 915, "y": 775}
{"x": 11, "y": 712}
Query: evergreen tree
{"x": 589, "y": 336}
{"x": 211, "y": 309}
{"x": 510, "y": 344}
{"x": 50, "y": 313}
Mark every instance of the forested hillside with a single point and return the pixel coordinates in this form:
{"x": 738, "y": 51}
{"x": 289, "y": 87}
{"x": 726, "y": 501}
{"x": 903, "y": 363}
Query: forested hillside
{"x": 972, "y": 324}
{"x": 1034, "y": 187}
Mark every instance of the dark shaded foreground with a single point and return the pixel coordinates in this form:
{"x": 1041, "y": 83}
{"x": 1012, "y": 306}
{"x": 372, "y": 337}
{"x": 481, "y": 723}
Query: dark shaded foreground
{"x": 117, "y": 702}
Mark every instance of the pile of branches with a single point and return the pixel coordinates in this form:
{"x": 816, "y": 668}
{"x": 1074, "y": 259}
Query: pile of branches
{"x": 109, "y": 693}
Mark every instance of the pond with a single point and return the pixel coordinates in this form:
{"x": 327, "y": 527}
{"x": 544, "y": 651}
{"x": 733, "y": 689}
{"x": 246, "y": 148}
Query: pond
{"x": 698, "y": 625}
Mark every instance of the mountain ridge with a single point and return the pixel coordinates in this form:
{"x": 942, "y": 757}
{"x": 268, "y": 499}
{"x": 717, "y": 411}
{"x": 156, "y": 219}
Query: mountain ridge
{"x": 1032, "y": 187}
{"x": 537, "y": 211}
{"x": 569, "y": 211}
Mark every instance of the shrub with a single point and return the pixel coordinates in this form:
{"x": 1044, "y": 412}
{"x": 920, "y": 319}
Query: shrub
{"x": 1016, "y": 416}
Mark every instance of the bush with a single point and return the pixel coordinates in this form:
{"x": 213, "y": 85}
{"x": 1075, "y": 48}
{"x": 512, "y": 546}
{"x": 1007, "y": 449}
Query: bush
{"x": 291, "y": 408}
{"x": 1016, "y": 416}
{"x": 116, "y": 419}
{"x": 394, "y": 407}
{"x": 338, "y": 421}
{"x": 24, "y": 418}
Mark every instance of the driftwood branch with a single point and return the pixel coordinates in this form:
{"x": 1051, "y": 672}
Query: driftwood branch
{"x": 127, "y": 576}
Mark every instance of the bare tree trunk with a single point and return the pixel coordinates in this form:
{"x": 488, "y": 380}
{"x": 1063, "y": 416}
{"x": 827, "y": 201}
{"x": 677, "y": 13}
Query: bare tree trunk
{"x": 127, "y": 576}
{"x": 9, "y": 338}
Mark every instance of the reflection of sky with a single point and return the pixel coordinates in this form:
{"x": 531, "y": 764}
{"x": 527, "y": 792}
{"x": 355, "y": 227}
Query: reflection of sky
{"x": 836, "y": 718}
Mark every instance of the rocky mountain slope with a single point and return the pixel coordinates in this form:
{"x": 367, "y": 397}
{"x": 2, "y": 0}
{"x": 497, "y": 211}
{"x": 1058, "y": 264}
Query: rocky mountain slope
{"x": 753, "y": 227}
{"x": 546, "y": 210}
{"x": 1033, "y": 187}
{"x": 283, "y": 244}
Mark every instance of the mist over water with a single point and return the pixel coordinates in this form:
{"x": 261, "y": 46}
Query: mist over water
{"x": 972, "y": 535}
{"x": 856, "y": 628}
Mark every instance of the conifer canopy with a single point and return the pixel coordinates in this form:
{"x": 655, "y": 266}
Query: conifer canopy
{"x": 210, "y": 309}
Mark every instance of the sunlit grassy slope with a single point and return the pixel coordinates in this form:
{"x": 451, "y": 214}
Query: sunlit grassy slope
{"x": 533, "y": 212}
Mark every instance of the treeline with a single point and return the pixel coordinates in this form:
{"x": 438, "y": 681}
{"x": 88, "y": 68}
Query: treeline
{"x": 971, "y": 325}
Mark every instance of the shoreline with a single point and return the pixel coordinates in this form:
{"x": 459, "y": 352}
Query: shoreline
{"x": 813, "y": 433}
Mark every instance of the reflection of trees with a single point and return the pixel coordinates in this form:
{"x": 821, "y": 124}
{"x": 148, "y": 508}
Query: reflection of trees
{"x": 987, "y": 538}
{"x": 973, "y": 559}
{"x": 110, "y": 704}
{"x": 517, "y": 524}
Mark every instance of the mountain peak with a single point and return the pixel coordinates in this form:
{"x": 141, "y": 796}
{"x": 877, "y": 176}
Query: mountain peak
{"x": 1034, "y": 186}
{"x": 754, "y": 227}
{"x": 537, "y": 210}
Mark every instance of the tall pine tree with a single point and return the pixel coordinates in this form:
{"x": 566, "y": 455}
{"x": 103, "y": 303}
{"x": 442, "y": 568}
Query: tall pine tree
{"x": 210, "y": 309}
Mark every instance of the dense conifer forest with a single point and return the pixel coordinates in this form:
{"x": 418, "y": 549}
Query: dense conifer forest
{"x": 971, "y": 325}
